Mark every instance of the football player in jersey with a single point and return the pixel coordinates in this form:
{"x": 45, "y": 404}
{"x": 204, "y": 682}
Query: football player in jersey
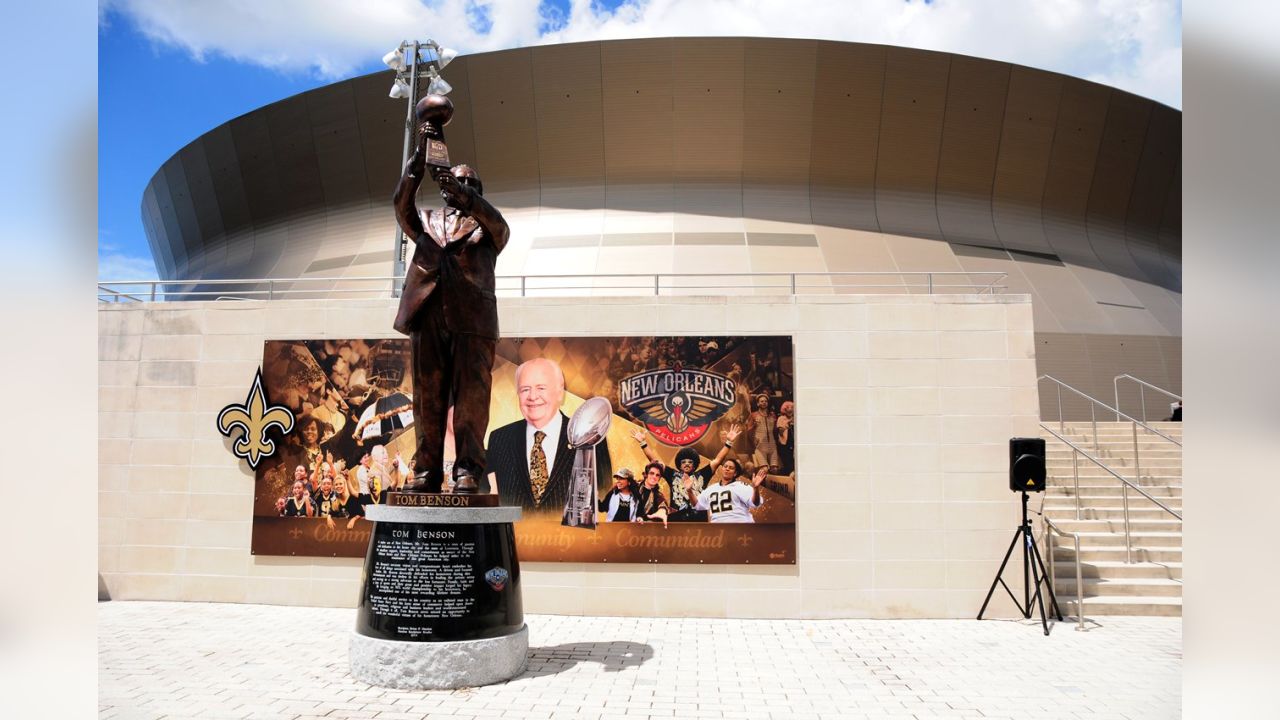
{"x": 729, "y": 501}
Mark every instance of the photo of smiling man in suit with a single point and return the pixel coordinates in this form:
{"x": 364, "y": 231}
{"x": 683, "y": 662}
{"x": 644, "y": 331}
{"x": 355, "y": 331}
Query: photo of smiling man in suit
{"x": 531, "y": 458}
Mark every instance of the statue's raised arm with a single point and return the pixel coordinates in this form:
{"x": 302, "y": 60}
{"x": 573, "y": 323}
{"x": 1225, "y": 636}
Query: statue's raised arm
{"x": 407, "y": 189}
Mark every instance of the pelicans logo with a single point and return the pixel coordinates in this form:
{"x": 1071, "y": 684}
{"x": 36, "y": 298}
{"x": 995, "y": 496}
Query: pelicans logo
{"x": 676, "y": 404}
{"x": 497, "y": 578}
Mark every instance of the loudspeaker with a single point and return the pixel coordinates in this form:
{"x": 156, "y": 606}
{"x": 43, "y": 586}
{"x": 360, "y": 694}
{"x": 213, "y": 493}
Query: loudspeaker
{"x": 1026, "y": 464}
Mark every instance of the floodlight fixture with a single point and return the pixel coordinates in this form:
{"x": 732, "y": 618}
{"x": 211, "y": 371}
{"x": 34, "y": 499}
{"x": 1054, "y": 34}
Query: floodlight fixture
{"x": 438, "y": 86}
{"x": 400, "y": 90}
{"x": 394, "y": 60}
{"x": 444, "y": 56}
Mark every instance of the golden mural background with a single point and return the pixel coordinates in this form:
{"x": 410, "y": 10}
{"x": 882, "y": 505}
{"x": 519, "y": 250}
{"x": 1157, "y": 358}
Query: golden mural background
{"x": 330, "y": 384}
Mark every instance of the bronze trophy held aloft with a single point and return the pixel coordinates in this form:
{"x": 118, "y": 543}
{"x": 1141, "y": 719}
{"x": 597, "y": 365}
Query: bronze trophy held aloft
{"x": 433, "y": 113}
{"x": 448, "y": 307}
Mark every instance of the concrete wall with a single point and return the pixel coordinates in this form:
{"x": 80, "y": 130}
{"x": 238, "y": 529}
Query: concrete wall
{"x": 904, "y": 405}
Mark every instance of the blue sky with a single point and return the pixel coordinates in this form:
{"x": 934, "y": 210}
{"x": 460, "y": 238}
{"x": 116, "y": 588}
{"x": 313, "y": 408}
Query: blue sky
{"x": 169, "y": 72}
{"x": 153, "y": 100}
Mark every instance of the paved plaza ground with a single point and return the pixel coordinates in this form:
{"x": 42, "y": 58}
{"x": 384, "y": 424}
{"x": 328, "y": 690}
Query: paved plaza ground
{"x": 205, "y": 660}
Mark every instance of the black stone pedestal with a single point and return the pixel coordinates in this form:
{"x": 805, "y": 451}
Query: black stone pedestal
{"x": 440, "y": 599}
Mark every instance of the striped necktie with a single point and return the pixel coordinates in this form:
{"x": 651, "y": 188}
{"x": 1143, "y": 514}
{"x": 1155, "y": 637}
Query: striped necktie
{"x": 538, "y": 467}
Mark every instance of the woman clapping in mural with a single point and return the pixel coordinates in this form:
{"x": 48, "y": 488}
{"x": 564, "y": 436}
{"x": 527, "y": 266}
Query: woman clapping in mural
{"x": 299, "y": 503}
{"x": 730, "y": 501}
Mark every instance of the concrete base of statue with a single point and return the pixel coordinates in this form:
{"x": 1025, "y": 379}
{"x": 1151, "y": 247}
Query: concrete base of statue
{"x": 440, "y": 606}
{"x": 408, "y": 665}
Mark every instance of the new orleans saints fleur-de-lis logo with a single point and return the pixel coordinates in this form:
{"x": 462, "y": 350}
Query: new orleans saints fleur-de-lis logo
{"x": 254, "y": 418}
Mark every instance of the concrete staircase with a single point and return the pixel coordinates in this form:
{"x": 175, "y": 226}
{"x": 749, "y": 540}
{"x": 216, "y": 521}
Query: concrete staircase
{"x": 1152, "y": 583}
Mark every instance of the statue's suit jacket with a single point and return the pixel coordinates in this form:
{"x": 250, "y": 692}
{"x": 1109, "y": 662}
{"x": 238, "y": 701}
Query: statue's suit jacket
{"x": 454, "y": 258}
{"x": 508, "y": 459}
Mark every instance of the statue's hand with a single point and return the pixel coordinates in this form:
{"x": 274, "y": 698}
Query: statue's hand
{"x": 418, "y": 159}
{"x": 452, "y": 191}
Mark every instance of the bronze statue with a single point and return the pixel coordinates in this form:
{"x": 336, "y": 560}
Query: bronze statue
{"x": 448, "y": 307}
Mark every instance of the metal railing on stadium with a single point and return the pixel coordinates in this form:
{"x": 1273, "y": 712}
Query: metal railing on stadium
{"x": 604, "y": 284}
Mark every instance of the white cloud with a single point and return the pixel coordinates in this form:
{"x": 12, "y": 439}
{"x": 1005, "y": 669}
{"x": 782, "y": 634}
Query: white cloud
{"x": 1135, "y": 45}
{"x": 114, "y": 266}
{"x": 119, "y": 266}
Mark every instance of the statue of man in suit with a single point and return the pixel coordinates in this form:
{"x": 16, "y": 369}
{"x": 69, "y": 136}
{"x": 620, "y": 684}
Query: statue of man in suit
{"x": 450, "y": 313}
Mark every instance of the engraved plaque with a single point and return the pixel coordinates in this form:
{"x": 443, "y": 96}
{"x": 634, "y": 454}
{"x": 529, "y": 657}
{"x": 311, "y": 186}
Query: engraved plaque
{"x": 396, "y": 499}
{"x": 438, "y": 154}
{"x": 440, "y": 582}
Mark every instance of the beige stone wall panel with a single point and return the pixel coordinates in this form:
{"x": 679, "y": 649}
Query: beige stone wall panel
{"x": 894, "y": 477}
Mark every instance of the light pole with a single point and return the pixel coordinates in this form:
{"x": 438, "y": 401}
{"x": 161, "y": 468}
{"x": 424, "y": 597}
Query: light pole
{"x": 410, "y": 65}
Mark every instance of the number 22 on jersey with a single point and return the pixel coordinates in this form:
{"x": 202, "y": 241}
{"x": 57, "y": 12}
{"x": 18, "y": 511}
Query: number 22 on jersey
{"x": 720, "y": 501}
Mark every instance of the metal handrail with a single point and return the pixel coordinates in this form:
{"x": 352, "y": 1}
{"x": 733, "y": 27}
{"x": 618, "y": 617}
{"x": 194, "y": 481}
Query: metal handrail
{"x": 523, "y": 285}
{"x": 1103, "y": 465}
{"x": 1124, "y": 491}
{"x": 1049, "y": 530}
{"x": 117, "y": 295}
{"x": 1095, "y": 403}
{"x": 1142, "y": 396}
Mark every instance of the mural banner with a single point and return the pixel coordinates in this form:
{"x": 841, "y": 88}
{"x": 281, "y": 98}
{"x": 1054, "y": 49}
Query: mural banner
{"x": 619, "y": 449}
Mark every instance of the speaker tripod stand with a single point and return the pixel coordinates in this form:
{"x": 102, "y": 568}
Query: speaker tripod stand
{"x": 1032, "y": 568}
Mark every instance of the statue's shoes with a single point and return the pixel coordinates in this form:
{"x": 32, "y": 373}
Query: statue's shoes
{"x": 464, "y": 483}
{"x": 421, "y": 483}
